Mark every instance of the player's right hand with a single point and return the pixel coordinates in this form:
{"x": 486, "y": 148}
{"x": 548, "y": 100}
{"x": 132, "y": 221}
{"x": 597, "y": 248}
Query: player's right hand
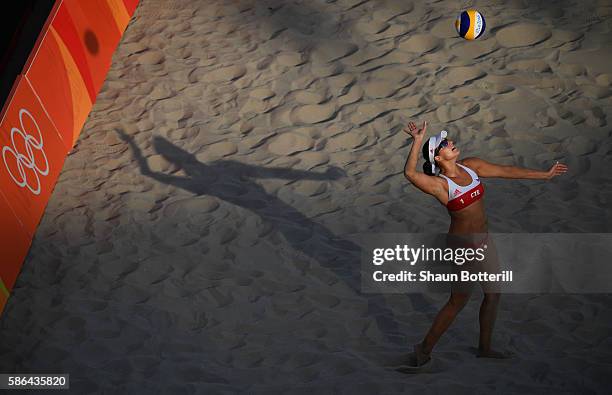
{"x": 416, "y": 132}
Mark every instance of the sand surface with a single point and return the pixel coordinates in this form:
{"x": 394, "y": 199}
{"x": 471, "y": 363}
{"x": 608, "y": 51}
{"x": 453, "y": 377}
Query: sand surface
{"x": 201, "y": 236}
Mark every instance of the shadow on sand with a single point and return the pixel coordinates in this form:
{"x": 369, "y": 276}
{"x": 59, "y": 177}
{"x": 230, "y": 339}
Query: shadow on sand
{"x": 232, "y": 182}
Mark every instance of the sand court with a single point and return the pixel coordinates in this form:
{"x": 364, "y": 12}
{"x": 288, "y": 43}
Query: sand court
{"x": 202, "y": 234}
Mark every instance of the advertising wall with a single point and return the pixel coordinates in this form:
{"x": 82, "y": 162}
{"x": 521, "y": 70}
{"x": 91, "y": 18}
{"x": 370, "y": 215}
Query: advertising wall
{"x": 45, "y": 113}
{"x": 76, "y": 49}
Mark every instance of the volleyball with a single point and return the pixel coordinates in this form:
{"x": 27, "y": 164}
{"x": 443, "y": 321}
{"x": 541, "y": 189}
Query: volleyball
{"x": 470, "y": 24}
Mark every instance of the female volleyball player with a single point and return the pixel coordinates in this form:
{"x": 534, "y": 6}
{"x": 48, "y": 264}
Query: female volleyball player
{"x": 456, "y": 184}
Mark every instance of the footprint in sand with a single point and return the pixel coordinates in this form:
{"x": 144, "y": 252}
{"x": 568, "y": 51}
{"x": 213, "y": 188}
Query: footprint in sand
{"x": 262, "y": 93}
{"x": 445, "y": 28}
{"x": 313, "y": 113}
{"x": 543, "y": 120}
{"x": 604, "y": 79}
{"x": 365, "y": 55}
{"x": 571, "y": 70}
{"x": 310, "y": 188}
{"x": 367, "y": 112}
{"x": 290, "y": 59}
{"x": 325, "y": 70}
{"x": 370, "y": 26}
{"x": 349, "y": 4}
{"x": 223, "y": 74}
{"x": 340, "y": 84}
{"x": 393, "y": 74}
{"x": 290, "y": 143}
{"x": 162, "y": 90}
{"x": 160, "y": 164}
{"x": 581, "y": 145}
{"x": 217, "y": 150}
{"x": 344, "y": 141}
{"x": 522, "y": 35}
{"x": 420, "y": 43}
{"x": 252, "y": 142}
{"x": 596, "y": 92}
{"x": 595, "y": 117}
{"x": 458, "y": 76}
{"x": 380, "y": 89}
{"x": 390, "y": 9}
{"x": 328, "y": 51}
{"x": 354, "y": 94}
{"x": 310, "y": 97}
{"x": 474, "y": 50}
{"x": 310, "y": 159}
{"x": 560, "y": 37}
{"x": 529, "y": 65}
{"x": 448, "y": 113}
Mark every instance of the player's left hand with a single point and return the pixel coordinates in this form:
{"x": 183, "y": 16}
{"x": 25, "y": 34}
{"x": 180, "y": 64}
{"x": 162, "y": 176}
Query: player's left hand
{"x": 556, "y": 170}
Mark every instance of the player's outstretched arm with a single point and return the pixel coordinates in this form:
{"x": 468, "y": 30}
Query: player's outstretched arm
{"x": 487, "y": 169}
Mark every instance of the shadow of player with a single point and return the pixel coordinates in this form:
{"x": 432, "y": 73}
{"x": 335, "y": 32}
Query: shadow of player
{"x": 232, "y": 182}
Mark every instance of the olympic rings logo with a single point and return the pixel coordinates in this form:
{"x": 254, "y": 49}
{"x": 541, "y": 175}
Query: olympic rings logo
{"x": 27, "y": 160}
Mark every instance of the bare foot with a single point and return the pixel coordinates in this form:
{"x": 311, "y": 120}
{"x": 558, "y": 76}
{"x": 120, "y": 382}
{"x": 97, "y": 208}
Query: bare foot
{"x": 494, "y": 354}
{"x": 421, "y": 357}
{"x": 418, "y": 361}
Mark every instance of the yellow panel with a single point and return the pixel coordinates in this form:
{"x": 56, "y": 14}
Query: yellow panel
{"x": 119, "y": 13}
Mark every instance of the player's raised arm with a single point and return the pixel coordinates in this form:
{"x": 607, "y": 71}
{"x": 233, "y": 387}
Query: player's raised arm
{"x": 487, "y": 169}
{"x": 421, "y": 180}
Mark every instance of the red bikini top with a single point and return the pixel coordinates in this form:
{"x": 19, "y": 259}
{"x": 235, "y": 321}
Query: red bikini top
{"x": 459, "y": 197}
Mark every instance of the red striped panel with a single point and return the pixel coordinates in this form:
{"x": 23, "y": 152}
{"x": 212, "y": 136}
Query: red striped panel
{"x": 130, "y": 6}
{"x": 64, "y": 25}
{"x": 14, "y": 243}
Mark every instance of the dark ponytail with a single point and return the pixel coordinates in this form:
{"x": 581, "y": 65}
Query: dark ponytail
{"x": 427, "y": 164}
{"x": 427, "y": 168}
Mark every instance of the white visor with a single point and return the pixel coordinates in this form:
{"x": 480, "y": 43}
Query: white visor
{"x": 434, "y": 142}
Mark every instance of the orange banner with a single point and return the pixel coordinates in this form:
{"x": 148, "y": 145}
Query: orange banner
{"x": 32, "y": 156}
{"x": 14, "y": 244}
{"x": 76, "y": 50}
{"x": 45, "y": 112}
